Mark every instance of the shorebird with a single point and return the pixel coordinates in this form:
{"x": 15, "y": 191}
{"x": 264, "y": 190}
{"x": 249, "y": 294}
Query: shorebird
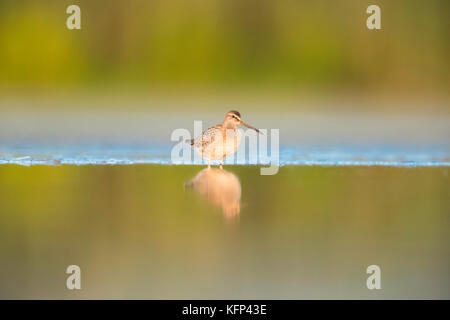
{"x": 220, "y": 141}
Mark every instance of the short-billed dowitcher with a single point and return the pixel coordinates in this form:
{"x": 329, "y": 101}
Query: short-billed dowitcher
{"x": 220, "y": 141}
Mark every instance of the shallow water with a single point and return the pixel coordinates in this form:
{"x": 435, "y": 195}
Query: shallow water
{"x": 306, "y": 232}
{"x": 353, "y": 190}
{"x": 84, "y": 137}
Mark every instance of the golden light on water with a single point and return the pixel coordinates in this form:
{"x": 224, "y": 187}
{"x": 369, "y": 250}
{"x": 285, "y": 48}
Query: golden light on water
{"x": 307, "y": 232}
{"x": 363, "y": 125}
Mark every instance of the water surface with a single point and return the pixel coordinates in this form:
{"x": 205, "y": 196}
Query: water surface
{"x": 307, "y": 232}
{"x": 306, "y": 138}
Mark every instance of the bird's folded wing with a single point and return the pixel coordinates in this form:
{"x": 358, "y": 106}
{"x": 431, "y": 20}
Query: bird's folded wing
{"x": 208, "y": 137}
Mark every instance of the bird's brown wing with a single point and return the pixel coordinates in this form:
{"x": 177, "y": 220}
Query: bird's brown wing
{"x": 207, "y": 137}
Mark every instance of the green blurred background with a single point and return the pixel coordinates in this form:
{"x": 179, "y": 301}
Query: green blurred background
{"x": 213, "y": 47}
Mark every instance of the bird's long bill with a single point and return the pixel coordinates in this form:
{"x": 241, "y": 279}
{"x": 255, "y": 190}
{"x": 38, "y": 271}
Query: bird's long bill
{"x": 249, "y": 126}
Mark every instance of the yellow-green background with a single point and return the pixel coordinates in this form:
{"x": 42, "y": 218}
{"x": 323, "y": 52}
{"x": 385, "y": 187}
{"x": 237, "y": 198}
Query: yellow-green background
{"x": 255, "y": 48}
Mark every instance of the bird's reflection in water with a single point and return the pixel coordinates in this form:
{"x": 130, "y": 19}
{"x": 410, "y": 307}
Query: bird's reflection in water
{"x": 220, "y": 187}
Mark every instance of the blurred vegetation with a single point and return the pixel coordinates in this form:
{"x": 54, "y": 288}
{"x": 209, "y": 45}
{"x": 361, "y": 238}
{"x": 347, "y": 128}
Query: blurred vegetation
{"x": 235, "y": 43}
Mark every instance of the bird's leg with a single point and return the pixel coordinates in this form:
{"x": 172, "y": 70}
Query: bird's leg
{"x": 221, "y": 164}
{"x": 209, "y": 164}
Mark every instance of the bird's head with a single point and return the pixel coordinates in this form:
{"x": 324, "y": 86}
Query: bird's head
{"x": 233, "y": 119}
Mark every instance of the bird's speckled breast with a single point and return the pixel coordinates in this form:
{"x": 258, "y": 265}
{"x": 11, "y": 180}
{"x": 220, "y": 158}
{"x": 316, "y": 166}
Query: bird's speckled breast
{"x": 231, "y": 142}
{"x": 224, "y": 144}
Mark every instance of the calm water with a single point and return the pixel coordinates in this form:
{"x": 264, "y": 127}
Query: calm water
{"x": 307, "y": 232}
{"x": 328, "y": 155}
